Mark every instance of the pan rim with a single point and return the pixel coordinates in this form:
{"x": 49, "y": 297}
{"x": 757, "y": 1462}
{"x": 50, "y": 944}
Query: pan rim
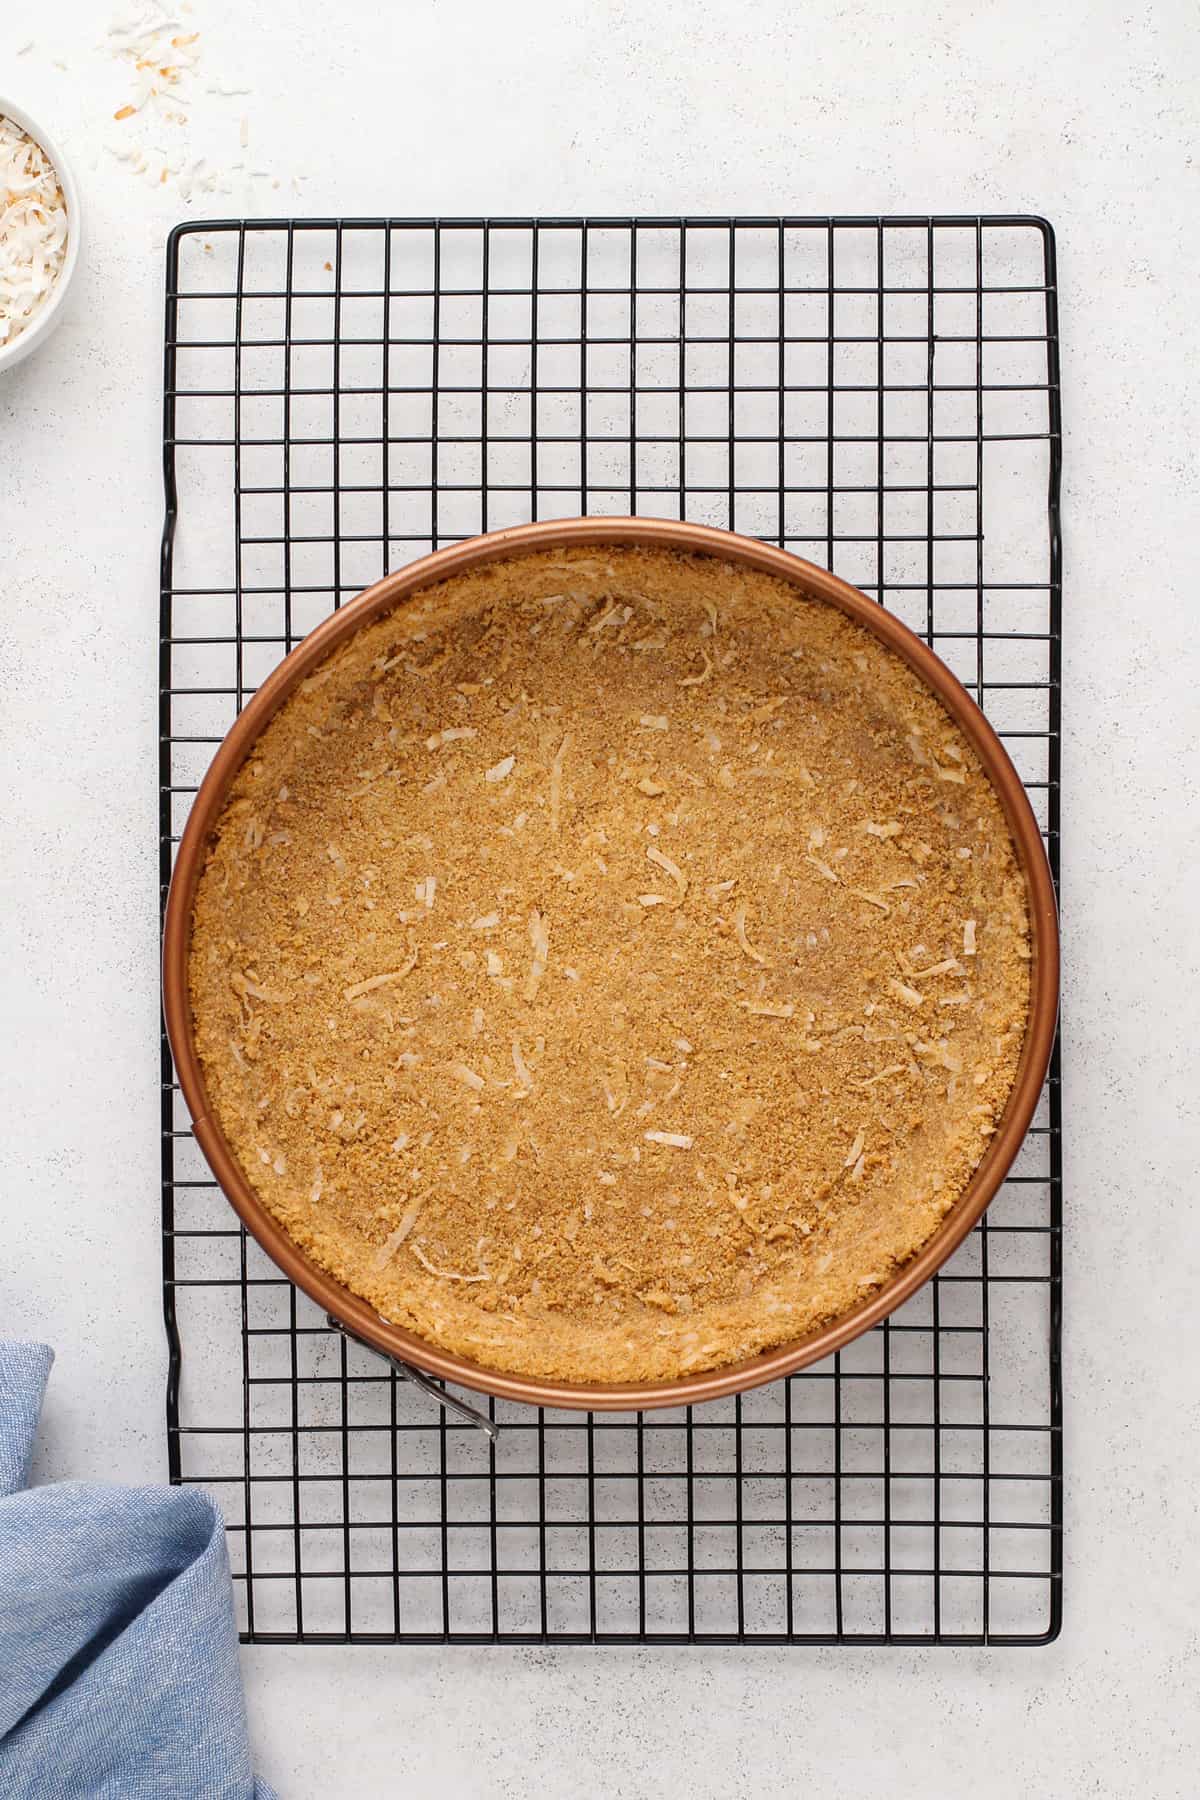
{"x": 641, "y": 533}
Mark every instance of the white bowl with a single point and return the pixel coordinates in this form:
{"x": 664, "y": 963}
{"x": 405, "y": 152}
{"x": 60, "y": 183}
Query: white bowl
{"x": 47, "y": 317}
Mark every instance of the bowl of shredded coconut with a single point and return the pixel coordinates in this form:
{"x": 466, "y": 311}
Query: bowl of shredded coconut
{"x": 39, "y": 234}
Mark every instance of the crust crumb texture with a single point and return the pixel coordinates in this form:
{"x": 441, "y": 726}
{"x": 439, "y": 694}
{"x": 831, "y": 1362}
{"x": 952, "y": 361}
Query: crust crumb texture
{"x": 610, "y": 964}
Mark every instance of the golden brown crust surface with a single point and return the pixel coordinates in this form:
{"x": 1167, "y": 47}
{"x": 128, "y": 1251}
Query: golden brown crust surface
{"x": 610, "y": 964}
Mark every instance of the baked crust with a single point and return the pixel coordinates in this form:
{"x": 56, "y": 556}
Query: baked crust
{"x": 610, "y": 964}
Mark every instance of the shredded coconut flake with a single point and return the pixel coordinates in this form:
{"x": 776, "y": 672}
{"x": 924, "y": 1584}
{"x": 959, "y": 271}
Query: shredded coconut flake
{"x": 695, "y": 680}
{"x": 655, "y": 855}
{"x": 902, "y": 991}
{"x": 521, "y": 1066}
{"x": 243, "y": 986}
{"x": 942, "y": 1052}
{"x": 949, "y": 966}
{"x": 452, "y": 734}
{"x": 500, "y": 771}
{"x": 358, "y": 988}
{"x": 674, "y": 1140}
{"x": 871, "y": 899}
{"x": 968, "y": 937}
{"x": 539, "y": 937}
{"x": 739, "y": 927}
{"x": 822, "y": 868}
{"x": 387, "y": 1250}
{"x": 881, "y": 1075}
{"x": 443, "y": 1274}
{"x": 556, "y": 769}
{"x": 467, "y": 1076}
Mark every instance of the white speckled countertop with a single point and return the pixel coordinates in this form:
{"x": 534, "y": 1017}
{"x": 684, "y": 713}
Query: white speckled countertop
{"x": 1086, "y": 113}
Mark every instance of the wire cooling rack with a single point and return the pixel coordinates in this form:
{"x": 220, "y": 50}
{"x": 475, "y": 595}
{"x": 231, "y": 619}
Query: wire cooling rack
{"x": 881, "y": 396}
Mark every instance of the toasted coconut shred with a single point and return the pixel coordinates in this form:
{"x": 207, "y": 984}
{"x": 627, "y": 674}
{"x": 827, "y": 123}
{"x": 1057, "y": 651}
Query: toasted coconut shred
{"x": 667, "y": 1022}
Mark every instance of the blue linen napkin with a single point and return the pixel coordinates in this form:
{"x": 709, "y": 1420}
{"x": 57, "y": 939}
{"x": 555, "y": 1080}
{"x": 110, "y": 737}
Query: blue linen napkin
{"x": 118, "y": 1652}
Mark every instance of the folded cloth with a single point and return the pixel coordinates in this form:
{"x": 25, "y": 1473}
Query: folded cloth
{"x": 117, "y": 1639}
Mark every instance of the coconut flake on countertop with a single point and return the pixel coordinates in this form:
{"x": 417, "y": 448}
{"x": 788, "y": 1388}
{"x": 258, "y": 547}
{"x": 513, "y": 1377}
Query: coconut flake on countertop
{"x": 163, "y": 52}
{"x": 163, "y": 48}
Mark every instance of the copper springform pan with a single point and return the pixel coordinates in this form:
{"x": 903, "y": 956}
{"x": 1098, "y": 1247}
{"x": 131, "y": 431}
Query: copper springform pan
{"x": 360, "y": 1319}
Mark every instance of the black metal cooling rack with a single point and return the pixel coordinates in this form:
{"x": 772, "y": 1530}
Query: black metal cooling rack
{"x": 881, "y": 396}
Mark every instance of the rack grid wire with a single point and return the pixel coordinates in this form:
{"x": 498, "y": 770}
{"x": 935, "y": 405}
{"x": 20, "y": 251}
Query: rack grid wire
{"x": 879, "y": 395}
